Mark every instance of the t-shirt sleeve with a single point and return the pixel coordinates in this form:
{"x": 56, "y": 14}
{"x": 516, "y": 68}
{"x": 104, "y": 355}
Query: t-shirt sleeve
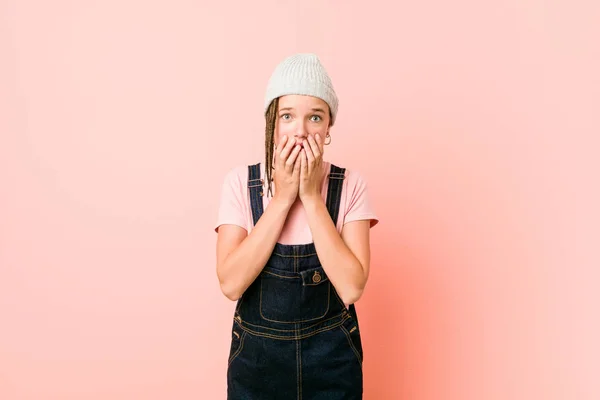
{"x": 232, "y": 208}
{"x": 359, "y": 204}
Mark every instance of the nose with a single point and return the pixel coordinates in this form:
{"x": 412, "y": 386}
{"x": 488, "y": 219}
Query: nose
{"x": 301, "y": 132}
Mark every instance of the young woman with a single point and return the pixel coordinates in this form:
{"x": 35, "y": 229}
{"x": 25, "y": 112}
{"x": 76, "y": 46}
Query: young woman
{"x": 293, "y": 250}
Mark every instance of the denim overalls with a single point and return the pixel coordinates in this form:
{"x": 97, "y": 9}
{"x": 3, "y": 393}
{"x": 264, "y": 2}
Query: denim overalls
{"x": 293, "y": 338}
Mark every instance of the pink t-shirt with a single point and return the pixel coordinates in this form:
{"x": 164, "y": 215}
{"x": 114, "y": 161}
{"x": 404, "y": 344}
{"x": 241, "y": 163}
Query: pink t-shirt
{"x": 235, "y": 208}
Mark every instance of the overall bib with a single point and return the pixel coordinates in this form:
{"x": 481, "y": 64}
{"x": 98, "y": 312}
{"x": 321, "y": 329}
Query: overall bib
{"x": 292, "y": 337}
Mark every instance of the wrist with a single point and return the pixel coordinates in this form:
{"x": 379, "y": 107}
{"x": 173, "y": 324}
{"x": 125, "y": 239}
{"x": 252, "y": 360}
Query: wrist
{"x": 311, "y": 199}
{"x": 284, "y": 201}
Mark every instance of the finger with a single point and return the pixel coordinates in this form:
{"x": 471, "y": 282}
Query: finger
{"x": 297, "y": 167}
{"x": 310, "y": 158}
{"x": 310, "y": 151}
{"x": 283, "y": 141}
{"x": 291, "y": 160}
{"x": 315, "y": 146}
{"x": 281, "y": 145}
{"x": 277, "y": 150}
{"x": 321, "y": 144}
{"x": 306, "y": 145}
{"x": 302, "y": 158}
{"x": 287, "y": 150}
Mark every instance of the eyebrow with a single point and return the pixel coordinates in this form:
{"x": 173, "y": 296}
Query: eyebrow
{"x": 291, "y": 108}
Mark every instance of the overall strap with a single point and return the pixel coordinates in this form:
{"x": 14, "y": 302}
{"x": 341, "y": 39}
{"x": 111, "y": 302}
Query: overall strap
{"x": 334, "y": 195}
{"x": 334, "y": 191}
{"x": 255, "y": 187}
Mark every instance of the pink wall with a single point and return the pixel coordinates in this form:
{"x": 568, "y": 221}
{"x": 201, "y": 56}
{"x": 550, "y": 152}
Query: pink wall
{"x": 476, "y": 124}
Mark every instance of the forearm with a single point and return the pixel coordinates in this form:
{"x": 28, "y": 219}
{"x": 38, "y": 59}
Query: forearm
{"x": 341, "y": 266}
{"x": 241, "y": 267}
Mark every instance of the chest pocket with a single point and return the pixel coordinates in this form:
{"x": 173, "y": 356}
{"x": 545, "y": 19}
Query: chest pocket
{"x": 293, "y": 297}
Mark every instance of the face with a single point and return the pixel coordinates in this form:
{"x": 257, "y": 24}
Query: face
{"x": 299, "y": 117}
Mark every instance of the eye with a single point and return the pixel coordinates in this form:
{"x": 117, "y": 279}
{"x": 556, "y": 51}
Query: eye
{"x": 316, "y": 118}
{"x": 285, "y": 116}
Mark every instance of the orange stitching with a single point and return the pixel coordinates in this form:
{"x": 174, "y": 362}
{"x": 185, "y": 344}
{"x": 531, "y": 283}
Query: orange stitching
{"x": 352, "y": 345}
{"x": 281, "y": 276}
{"x": 295, "y": 256}
{"x": 298, "y": 370}
{"x": 343, "y": 315}
{"x": 293, "y": 322}
{"x": 239, "y": 350}
{"x": 327, "y": 328}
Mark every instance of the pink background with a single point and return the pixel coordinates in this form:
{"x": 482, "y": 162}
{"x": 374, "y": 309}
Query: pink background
{"x": 475, "y": 122}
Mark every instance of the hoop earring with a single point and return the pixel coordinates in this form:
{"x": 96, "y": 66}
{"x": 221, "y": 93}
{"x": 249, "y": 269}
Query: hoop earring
{"x": 328, "y": 136}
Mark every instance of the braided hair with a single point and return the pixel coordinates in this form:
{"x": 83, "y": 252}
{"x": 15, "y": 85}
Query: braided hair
{"x": 270, "y": 119}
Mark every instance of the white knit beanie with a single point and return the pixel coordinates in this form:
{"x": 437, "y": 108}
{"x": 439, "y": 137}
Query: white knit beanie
{"x": 302, "y": 74}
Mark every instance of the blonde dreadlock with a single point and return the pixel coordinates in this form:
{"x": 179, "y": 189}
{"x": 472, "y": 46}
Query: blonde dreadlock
{"x": 270, "y": 119}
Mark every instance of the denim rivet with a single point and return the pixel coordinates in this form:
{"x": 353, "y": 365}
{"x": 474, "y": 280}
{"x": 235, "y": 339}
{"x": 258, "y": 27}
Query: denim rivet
{"x": 316, "y": 277}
